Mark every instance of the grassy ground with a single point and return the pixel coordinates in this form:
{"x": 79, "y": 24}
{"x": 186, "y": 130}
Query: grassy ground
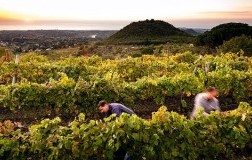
{"x": 61, "y": 53}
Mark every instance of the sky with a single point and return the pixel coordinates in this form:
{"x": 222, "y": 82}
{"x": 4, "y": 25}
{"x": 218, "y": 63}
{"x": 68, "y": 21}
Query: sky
{"x": 115, "y": 14}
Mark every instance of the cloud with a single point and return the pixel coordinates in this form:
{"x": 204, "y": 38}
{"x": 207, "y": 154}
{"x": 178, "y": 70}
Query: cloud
{"x": 226, "y": 14}
{"x": 8, "y": 21}
{"x": 13, "y": 24}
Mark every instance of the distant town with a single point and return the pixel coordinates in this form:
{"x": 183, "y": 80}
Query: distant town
{"x": 44, "y": 40}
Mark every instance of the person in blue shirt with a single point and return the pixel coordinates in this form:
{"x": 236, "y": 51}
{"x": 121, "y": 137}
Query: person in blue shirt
{"x": 113, "y": 108}
{"x": 117, "y": 109}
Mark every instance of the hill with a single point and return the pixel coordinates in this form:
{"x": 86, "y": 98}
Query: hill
{"x": 224, "y": 32}
{"x": 190, "y": 31}
{"x": 148, "y": 32}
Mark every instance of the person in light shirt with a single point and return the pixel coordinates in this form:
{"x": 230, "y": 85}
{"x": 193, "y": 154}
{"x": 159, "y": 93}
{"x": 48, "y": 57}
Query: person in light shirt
{"x": 207, "y": 101}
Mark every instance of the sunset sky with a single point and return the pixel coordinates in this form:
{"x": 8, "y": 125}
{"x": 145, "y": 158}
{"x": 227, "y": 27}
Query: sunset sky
{"x": 114, "y": 14}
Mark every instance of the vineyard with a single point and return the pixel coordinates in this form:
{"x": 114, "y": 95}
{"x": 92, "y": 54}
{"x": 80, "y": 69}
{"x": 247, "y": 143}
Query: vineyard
{"x": 71, "y": 83}
{"x": 167, "y": 135}
{"x": 71, "y": 86}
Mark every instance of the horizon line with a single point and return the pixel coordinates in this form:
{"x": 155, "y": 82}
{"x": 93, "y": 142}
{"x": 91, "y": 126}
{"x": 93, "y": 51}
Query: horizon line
{"x": 112, "y": 25}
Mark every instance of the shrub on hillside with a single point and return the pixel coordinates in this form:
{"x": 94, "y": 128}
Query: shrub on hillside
{"x": 147, "y": 50}
{"x": 237, "y": 44}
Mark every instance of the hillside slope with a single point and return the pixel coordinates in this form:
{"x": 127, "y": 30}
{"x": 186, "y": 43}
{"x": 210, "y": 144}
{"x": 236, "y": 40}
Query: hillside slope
{"x": 148, "y": 31}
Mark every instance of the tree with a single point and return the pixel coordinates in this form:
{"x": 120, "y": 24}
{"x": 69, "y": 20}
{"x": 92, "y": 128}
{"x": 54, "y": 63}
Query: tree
{"x": 224, "y": 32}
{"x": 236, "y": 44}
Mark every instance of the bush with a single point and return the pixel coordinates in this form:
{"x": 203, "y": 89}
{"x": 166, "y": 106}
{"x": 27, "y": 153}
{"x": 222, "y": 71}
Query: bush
{"x": 81, "y": 82}
{"x": 237, "y": 44}
{"x": 167, "y": 135}
{"x": 136, "y": 54}
{"x": 147, "y": 50}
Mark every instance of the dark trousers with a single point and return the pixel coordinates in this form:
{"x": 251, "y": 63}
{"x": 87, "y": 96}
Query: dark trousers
{"x": 121, "y": 154}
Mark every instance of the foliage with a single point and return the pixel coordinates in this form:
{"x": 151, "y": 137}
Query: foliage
{"x": 224, "y": 32}
{"x": 237, "y": 44}
{"x": 81, "y": 82}
{"x": 2, "y": 51}
{"x": 147, "y": 50}
{"x": 167, "y": 135}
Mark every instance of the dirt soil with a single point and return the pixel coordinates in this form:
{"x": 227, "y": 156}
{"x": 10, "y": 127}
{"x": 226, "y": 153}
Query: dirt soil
{"x": 142, "y": 108}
